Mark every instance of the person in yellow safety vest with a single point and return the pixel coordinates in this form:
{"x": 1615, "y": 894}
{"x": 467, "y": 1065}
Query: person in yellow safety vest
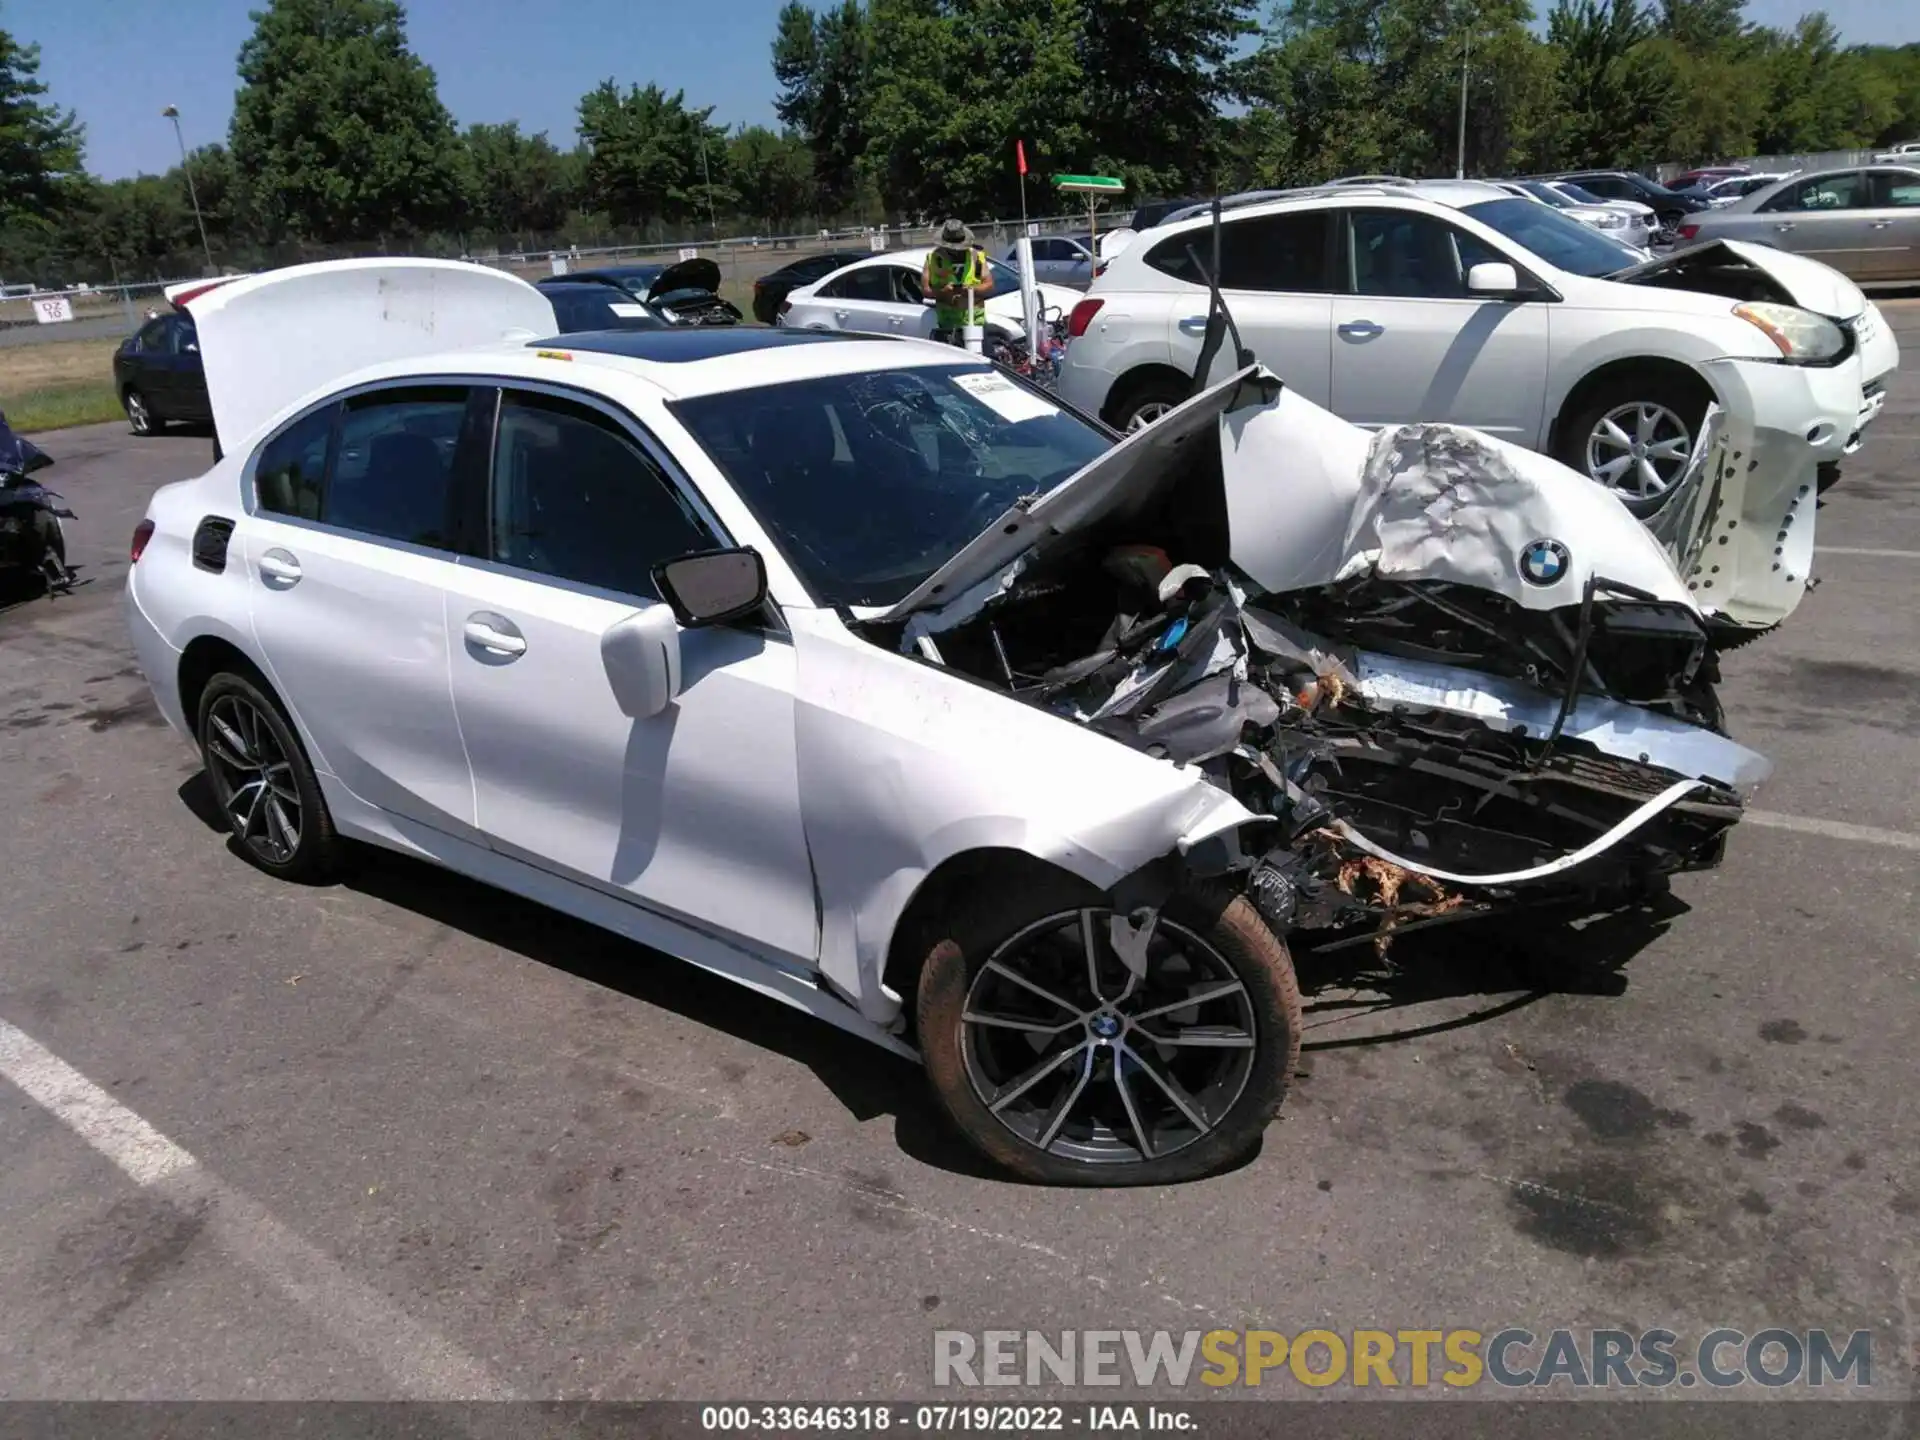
{"x": 955, "y": 266}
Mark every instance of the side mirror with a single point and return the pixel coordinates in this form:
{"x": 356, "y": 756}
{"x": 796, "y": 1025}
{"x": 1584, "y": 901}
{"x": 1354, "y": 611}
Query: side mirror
{"x": 641, "y": 655}
{"x": 1494, "y": 277}
{"x": 713, "y": 587}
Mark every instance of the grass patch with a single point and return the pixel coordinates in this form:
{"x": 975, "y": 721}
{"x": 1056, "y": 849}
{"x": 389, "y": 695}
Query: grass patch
{"x": 65, "y": 382}
{"x": 54, "y": 407}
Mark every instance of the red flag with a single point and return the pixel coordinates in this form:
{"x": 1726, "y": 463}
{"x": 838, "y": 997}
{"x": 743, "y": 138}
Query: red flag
{"x": 1020, "y": 155}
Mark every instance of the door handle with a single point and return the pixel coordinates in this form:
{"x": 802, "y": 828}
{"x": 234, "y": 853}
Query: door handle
{"x": 1361, "y": 329}
{"x": 1879, "y": 224}
{"x": 1194, "y": 325}
{"x": 495, "y": 634}
{"x": 279, "y": 569}
{"x": 1784, "y": 225}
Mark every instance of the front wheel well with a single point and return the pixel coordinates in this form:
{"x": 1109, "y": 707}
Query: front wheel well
{"x": 1658, "y": 369}
{"x": 205, "y": 657}
{"x": 954, "y": 878}
{"x": 1137, "y": 379}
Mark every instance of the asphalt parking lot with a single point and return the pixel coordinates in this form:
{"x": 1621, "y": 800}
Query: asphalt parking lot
{"x": 405, "y": 1137}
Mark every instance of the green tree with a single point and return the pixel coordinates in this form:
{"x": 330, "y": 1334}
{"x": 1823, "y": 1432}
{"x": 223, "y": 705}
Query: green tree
{"x": 941, "y": 113}
{"x": 772, "y": 174}
{"x": 1154, "y": 75}
{"x": 1617, "y": 92}
{"x": 650, "y": 156}
{"x": 40, "y": 158}
{"x": 338, "y": 131}
{"x": 821, "y": 65}
{"x": 519, "y": 184}
{"x": 1818, "y": 96}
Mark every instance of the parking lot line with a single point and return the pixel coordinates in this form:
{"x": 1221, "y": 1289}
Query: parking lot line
{"x": 1832, "y": 829}
{"x": 424, "y": 1364}
{"x": 1867, "y": 551}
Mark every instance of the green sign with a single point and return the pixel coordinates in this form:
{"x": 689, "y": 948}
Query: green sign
{"x": 1089, "y": 184}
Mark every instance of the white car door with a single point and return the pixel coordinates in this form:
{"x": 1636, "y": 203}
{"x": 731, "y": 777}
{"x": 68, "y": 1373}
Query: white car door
{"x": 1410, "y": 343}
{"x": 1275, "y": 279}
{"x": 694, "y": 812}
{"x": 349, "y": 554}
{"x": 869, "y": 298}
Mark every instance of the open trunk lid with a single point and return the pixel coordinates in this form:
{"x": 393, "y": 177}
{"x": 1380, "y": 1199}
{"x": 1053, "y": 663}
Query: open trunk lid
{"x": 1124, "y": 478}
{"x": 1807, "y": 283}
{"x": 268, "y": 341}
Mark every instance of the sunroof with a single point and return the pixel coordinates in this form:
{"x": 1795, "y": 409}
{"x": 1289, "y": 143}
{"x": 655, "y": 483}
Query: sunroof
{"x": 696, "y": 342}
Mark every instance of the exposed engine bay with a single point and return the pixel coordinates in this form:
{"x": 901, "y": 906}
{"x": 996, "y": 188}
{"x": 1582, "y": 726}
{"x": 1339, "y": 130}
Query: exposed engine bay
{"x": 1429, "y": 750}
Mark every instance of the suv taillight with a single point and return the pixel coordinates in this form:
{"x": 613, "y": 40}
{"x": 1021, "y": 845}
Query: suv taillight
{"x": 1687, "y": 232}
{"x": 142, "y": 533}
{"x": 1082, "y": 317}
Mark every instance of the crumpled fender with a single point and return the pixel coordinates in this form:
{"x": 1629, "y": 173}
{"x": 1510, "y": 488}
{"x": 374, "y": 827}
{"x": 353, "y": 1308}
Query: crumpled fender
{"x": 904, "y": 765}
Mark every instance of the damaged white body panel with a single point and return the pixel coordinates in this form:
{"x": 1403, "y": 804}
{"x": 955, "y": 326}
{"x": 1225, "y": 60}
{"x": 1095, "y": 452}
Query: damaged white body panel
{"x": 1313, "y": 499}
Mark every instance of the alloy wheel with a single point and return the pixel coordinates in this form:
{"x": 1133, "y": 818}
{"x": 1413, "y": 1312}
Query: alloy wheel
{"x": 253, "y": 779}
{"x": 1639, "y": 449}
{"x": 1107, "y": 1039}
{"x": 137, "y": 414}
{"x": 1145, "y": 415}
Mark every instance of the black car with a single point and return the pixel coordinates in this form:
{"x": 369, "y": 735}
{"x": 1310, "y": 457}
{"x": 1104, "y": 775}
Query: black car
{"x": 158, "y": 376}
{"x": 1152, "y": 212}
{"x": 770, "y": 289}
{"x": 1670, "y": 206}
{"x": 584, "y": 304}
{"x": 636, "y": 280}
{"x": 686, "y": 293}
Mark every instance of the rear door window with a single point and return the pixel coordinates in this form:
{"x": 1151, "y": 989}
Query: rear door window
{"x": 393, "y": 462}
{"x": 870, "y": 282}
{"x": 1284, "y": 253}
{"x": 1850, "y": 191}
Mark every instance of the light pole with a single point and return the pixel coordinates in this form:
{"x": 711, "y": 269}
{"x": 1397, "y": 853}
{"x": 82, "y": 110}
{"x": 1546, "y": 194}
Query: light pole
{"x": 172, "y": 112}
{"x": 713, "y": 222}
{"x": 1460, "y": 155}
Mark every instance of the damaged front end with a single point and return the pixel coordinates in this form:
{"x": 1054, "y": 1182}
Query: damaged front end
{"x": 1426, "y": 749}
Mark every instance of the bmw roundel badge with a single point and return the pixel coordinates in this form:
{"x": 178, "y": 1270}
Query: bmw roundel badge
{"x": 1543, "y": 562}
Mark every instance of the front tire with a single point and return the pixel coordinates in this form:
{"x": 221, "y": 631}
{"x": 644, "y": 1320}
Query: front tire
{"x": 1634, "y": 435}
{"x": 1055, "y": 1060}
{"x": 263, "y": 781}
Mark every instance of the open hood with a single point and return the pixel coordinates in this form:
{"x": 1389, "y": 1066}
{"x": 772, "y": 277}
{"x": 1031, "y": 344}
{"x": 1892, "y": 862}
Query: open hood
{"x": 268, "y": 341}
{"x": 1807, "y": 283}
{"x": 695, "y": 274}
{"x": 1124, "y": 478}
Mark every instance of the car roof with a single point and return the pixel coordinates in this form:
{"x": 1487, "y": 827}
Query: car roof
{"x": 1452, "y": 194}
{"x": 636, "y": 366}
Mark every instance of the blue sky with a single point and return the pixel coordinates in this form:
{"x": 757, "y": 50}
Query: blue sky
{"x": 117, "y": 62}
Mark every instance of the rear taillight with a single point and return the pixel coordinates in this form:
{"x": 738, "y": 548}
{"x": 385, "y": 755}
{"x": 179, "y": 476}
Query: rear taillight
{"x": 142, "y": 533}
{"x": 1687, "y": 232}
{"x": 1082, "y": 317}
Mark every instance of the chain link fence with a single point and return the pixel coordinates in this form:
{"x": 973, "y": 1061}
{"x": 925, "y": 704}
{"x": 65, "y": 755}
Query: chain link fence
{"x": 87, "y": 312}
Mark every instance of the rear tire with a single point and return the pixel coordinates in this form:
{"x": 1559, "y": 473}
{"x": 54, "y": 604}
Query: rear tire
{"x": 140, "y": 417}
{"x": 1144, "y": 401}
{"x": 1610, "y": 420}
{"x": 263, "y": 782}
{"x": 1197, "y": 1078}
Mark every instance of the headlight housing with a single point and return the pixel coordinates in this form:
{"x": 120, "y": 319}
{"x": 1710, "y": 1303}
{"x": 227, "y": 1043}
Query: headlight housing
{"x": 1612, "y": 222}
{"x": 1802, "y": 337}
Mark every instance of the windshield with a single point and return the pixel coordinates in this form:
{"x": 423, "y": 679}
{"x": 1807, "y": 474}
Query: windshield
{"x": 1547, "y": 193}
{"x": 871, "y": 482}
{"x": 1580, "y": 195}
{"x": 1561, "y": 242}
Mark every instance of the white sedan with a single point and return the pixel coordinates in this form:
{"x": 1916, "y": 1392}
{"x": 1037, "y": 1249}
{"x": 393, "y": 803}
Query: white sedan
{"x": 883, "y": 296}
{"x": 868, "y": 676}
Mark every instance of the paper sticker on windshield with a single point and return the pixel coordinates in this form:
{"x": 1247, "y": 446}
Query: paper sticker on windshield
{"x": 1004, "y": 398}
{"x": 626, "y": 308}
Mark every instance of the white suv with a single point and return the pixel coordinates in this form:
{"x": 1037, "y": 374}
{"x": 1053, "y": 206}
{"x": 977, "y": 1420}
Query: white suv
{"x": 1456, "y": 301}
